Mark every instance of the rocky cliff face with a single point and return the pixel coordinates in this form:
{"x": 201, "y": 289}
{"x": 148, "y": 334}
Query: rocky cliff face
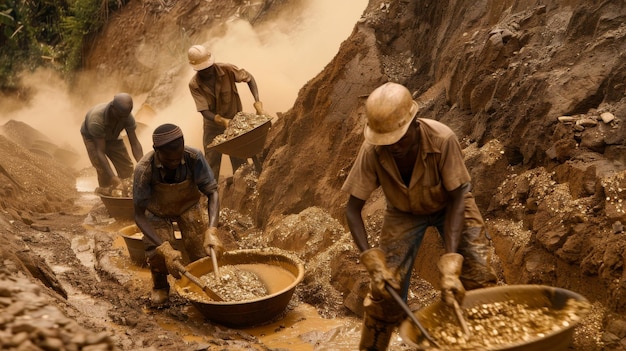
{"x": 500, "y": 73}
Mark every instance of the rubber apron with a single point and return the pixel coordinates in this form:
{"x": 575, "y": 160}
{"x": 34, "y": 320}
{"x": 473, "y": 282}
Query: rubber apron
{"x": 172, "y": 200}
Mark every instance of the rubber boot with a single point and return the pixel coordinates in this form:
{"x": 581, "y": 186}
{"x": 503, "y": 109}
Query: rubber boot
{"x": 375, "y": 334}
{"x": 161, "y": 288}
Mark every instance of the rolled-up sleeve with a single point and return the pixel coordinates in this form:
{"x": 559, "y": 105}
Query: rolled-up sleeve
{"x": 203, "y": 175}
{"x": 362, "y": 179}
{"x": 454, "y": 173}
{"x": 241, "y": 75}
{"x": 131, "y": 123}
{"x": 141, "y": 182}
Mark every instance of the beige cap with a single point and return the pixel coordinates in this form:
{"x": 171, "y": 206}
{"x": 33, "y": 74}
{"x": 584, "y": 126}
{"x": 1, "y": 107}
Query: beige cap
{"x": 390, "y": 108}
{"x": 200, "y": 58}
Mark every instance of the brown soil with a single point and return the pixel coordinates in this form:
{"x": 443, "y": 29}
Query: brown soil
{"x": 500, "y": 74}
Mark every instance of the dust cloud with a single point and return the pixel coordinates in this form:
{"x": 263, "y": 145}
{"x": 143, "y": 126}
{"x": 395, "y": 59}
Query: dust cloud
{"x": 282, "y": 56}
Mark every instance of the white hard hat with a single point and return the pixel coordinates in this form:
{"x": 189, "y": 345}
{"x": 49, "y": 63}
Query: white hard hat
{"x": 200, "y": 58}
{"x": 390, "y": 108}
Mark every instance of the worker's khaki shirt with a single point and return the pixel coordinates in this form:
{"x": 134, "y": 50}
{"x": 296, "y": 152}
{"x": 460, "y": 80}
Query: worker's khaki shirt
{"x": 439, "y": 168}
{"x": 223, "y": 98}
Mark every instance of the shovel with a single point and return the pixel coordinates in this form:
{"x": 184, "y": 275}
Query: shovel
{"x": 408, "y": 311}
{"x": 212, "y": 294}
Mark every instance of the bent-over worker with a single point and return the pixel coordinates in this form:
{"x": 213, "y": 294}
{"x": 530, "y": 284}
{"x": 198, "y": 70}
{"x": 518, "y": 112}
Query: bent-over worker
{"x": 419, "y": 165}
{"x": 101, "y": 130}
{"x": 168, "y": 185}
{"x": 214, "y": 91}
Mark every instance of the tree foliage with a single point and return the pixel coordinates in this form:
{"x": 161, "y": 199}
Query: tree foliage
{"x": 48, "y": 33}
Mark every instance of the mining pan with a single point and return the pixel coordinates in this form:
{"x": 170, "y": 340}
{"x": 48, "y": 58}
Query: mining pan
{"x": 279, "y": 270}
{"x": 534, "y": 296}
{"x": 134, "y": 243}
{"x": 245, "y": 145}
{"x": 119, "y": 207}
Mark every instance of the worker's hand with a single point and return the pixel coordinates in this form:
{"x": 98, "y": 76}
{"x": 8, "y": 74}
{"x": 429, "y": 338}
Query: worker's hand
{"x": 376, "y": 264}
{"x": 172, "y": 258}
{"x": 452, "y": 289}
{"x": 221, "y": 121}
{"x": 212, "y": 241}
{"x": 258, "y": 106}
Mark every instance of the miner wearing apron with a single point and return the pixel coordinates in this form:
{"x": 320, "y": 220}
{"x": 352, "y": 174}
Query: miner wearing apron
{"x": 419, "y": 165}
{"x": 168, "y": 186}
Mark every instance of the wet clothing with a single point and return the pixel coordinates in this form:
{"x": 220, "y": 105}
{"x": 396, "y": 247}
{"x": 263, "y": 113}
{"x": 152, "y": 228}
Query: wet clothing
{"x": 174, "y": 196}
{"x": 220, "y": 98}
{"x": 411, "y": 209}
{"x": 98, "y": 124}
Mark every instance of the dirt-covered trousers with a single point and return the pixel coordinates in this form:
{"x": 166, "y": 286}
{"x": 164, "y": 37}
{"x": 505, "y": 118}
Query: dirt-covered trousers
{"x": 192, "y": 225}
{"x": 214, "y": 158}
{"x": 116, "y": 151}
{"x": 402, "y": 235}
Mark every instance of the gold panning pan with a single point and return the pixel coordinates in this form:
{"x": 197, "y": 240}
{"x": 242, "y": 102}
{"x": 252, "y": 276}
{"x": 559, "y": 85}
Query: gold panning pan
{"x": 563, "y": 307}
{"x": 279, "y": 270}
{"x": 119, "y": 207}
{"x": 133, "y": 239}
{"x": 245, "y": 145}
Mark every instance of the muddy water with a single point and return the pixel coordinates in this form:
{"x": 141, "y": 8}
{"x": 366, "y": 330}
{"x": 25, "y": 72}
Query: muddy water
{"x": 280, "y": 278}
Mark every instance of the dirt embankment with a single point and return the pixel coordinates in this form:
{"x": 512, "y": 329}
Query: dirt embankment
{"x": 500, "y": 74}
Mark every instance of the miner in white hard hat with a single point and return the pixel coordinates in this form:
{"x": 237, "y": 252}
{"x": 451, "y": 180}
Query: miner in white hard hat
{"x": 214, "y": 91}
{"x": 418, "y": 163}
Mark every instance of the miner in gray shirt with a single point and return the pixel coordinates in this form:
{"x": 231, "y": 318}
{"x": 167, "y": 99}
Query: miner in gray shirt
{"x": 101, "y": 130}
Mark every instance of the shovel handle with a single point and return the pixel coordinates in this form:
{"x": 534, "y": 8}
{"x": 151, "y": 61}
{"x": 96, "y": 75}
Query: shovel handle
{"x": 459, "y": 316}
{"x": 408, "y": 311}
{"x": 216, "y": 269}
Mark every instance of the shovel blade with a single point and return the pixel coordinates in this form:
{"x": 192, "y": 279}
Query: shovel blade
{"x": 207, "y": 290}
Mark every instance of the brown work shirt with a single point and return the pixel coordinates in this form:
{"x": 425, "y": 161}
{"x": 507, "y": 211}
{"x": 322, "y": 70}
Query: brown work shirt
{"x": 222, "y": 98}
{"x": 439, "y": 168}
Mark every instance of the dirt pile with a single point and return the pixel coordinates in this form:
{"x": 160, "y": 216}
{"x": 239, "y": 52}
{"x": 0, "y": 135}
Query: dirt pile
{"x": 30, "y": 321}
{"x": 33, "y": 181}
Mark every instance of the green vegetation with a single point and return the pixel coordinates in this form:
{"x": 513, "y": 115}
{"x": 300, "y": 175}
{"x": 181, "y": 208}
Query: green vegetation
{"x": 50, "y": 33}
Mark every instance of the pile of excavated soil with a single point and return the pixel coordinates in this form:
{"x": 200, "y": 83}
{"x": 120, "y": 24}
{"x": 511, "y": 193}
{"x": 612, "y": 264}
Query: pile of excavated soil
{"x": 31, "y": 182}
